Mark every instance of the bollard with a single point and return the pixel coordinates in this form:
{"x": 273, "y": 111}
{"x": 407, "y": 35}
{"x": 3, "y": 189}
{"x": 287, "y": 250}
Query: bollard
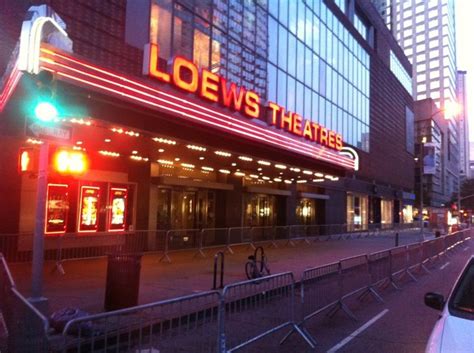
{"x": 396, "y": 239}
{"x": 217, "y": 256}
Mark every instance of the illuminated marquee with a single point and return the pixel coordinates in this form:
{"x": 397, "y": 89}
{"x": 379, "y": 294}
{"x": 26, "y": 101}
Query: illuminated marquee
{"x": 208, "y": 85}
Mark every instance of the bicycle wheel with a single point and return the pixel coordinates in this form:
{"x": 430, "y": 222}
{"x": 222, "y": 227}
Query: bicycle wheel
{"x": 250, "y": 270}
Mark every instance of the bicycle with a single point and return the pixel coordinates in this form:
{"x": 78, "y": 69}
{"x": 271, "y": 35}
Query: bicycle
{"x": 257, "y": 268}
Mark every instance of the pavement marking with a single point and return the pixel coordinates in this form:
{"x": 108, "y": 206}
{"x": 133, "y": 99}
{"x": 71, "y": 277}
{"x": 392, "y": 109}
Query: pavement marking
{"x": 356, "y": 332}
{"x": 444, "y": 266}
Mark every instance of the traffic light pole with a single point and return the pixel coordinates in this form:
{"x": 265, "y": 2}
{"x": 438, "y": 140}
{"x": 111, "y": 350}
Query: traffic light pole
{"x": 37, "y": 298}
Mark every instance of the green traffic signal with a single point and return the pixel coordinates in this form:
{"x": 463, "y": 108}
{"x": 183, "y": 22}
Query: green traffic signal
{"x": 46, "y": 112}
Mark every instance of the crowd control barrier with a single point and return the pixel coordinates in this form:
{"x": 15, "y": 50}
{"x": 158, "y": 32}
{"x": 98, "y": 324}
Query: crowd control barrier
{"x": 245, "y": 315}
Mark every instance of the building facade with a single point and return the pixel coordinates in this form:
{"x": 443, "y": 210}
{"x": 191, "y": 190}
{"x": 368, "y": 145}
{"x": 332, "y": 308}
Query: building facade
{"x": 440, "y": 185}
{"x": 426, "y": 32}
{"x": 211, "y": 114}
{"x": 463, "y": 126}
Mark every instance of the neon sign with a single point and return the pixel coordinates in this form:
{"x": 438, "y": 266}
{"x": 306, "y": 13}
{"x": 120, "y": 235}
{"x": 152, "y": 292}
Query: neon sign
{"x": 210, "y": 86}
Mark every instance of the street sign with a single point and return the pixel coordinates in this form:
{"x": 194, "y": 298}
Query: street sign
{"x": 50, "y": 133}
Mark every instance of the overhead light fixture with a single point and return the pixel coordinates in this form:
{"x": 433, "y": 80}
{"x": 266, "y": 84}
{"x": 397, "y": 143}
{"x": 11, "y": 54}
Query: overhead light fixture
{"x": 233, "y": 164}
{"x": 307, "y": 172}
{"x": 301, "y": 181}
{"x": 134, "y": 152}
{"x": 161, "y": 150}
{"x": 265, "y": 178}
{"x": 264, "y": 163}
{"x": 187, "y": 165}
{"x": 240, "y": 174}
{"x": 223, "y": 154}
{"x": 163, "y": 140}
{"x": 224, "y": 171}
{"x": 254, "y": 176}
{"x": 319, "y": 175}
{"x": 139, "y": 158}
{"x": 176, "y": 159}
{"x": 201, "y": 158}
{"x": 246, "y": 159}
{"x": 107, "y": 140}
{"x": 208, "y": 169}
{"x": 165, "y": 161}
{"x": 196, "y": 148}
{"x": 288, "y": 182}
{"x": 296, "y": 170}
{"x": 318, "y": 180}
{"x": 278, "y": 180}
{"x": 280, "y": 166}
{"x": 109, "y": 153}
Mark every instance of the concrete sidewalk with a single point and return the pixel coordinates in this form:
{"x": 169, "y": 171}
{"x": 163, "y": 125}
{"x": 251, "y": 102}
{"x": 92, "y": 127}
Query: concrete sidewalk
{"x": 83, "y": 285}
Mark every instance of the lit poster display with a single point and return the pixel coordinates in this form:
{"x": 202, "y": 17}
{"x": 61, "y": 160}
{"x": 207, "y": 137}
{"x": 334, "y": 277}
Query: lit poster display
{"x": 117, "y": 207}
{"x": 57, "y": 206}
{"x": 89, "y": 209}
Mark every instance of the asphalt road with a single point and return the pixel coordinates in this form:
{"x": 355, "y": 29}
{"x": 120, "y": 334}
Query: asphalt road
{"x": 401, "y": 324}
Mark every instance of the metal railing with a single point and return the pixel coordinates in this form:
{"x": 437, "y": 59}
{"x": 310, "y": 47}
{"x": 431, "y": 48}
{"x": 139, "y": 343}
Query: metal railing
{"x": 59, "y": 248}
{"x": 26, "y": 326}
{"x": 243, "y": 315}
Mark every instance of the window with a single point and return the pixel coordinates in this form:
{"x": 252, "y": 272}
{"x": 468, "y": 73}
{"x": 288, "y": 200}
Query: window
{"x": 386, "y": 211}
{"x": 357, "y": 211}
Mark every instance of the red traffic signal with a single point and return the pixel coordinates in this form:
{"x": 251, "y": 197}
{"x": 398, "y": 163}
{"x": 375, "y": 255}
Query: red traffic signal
{"x": 70, "y": 162}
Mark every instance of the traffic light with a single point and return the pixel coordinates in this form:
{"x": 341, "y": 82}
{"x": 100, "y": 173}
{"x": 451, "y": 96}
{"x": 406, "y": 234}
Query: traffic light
{"x": 70, "y": 162}
{"x": 45, "y": 108}
{"x": 27, "y": 160}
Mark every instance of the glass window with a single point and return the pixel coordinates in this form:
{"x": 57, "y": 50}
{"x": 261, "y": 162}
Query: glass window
{"x": 300, "y": 61}
{"x": 291, "y": 104}
{"x": 357, "y": 211}
{"x": 272, "y": 83}
{"x": 281, "y": 99}
{"x": 160, "y": 27}
{"x": 272, "y": 40}
{"x": 282, "y": 47}
{"x": 292, "y": 55}
{"x": 283, "y": 11}
{"x": 410, "y": 130}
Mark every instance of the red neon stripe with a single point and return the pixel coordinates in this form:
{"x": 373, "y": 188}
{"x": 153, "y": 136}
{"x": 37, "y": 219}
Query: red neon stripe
{"x": 265, "y": 131}
{"x": 338, "y": 161}
{"x": 262, "y": 134}
{"x": 9, "y": 86}
{"x": 320, "y": 151}
{"x": 194, "y": 117}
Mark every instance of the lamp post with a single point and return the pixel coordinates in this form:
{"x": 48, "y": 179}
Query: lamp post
{"x": 423, "y": 141}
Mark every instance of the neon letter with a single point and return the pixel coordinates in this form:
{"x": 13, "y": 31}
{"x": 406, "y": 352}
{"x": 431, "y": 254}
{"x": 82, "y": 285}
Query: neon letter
{"x": 209, "y": 85}
{"x": 181, "y": 63}
{"x": 230, "y": 96}
{"x": 252, "y": 104}
{"x": 153, "y": 64}
{"x": 275, "y": 108}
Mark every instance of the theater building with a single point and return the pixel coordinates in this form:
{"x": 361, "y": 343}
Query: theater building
{"x": 204, "y": 114}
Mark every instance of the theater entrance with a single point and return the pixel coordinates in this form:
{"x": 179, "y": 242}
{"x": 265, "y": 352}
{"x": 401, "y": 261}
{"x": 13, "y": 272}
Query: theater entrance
{"x": 185, "y": 209}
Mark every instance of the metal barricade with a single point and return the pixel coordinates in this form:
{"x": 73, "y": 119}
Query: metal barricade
{"x": 281, "y": 233}
{"x": 398, "y": 263}
{"x": 27, "y": 328}
{"x": 262, "y": 234}
{"x": 179, "y": 239}
{"x": 356, "y": 277}
{"x": 239, "y": 235}
{"x": 320, "y": 289}
{"x": 258, "y": 308}
{"x": 295, "y": 233}
{"x": 184, "y": 324}
{"x": 380, "y": 268}
{"x": 211, "y": 237}
{"x": 415, "y": 259}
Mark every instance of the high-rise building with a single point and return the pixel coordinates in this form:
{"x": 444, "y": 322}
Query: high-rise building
{"x": 426, "y": 32}
{"x": 463, "y": 124}
{"x": 425, "y": 29}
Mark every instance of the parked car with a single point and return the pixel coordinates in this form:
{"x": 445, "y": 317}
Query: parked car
{"x": 454, "y": 330}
